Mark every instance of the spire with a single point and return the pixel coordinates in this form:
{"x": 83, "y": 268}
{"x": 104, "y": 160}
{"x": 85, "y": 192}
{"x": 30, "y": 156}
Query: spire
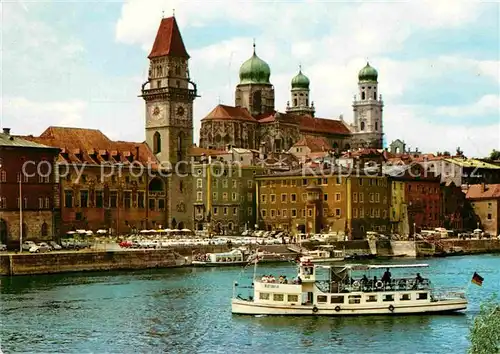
{"x": 300, "y": 68}
{"x": 168, "y": 40}
{"x": 254, "y": 47}
{"x": 173, "y": 12}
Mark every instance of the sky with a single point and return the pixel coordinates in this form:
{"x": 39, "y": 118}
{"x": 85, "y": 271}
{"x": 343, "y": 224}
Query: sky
{"x": 82, "y": 63}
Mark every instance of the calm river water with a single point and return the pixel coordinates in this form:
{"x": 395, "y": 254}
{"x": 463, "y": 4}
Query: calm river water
{"x": 188, "y": 311}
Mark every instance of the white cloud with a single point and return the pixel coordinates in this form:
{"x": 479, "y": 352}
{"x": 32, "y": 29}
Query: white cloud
{"x": 26, "y": 117}
{"x": 488, "y": 105}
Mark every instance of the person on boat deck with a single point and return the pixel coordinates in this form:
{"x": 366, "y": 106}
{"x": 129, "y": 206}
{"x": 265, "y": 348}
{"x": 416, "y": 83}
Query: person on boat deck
{"x": 386, "y": 278}
{"x": 285, "y": 280}
{"x": 364, "y": 280}
{"x": 418, "y": 280}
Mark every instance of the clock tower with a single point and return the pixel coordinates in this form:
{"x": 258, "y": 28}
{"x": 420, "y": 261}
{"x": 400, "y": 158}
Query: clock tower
{"x": 169, "y": 94}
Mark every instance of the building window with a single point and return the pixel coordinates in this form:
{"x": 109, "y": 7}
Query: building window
{"x": 152, "y": 204}
{"x": 310, "y": 213}
{"x": 114, "y": 199}
{"x": 371, "y": 195}
{"x": 264, "y": 213}
{"x": 40, "y": 203}
{"x": 304, "y": 197}
{"x": 250, "y": 212}
{"x": 361, "y": 197}
{"x": 338, "y": 180}
{"x": 225, "y": 210}
{"x": 325, "y": 197}
{"x": 3, "y": 203}
{"x": 140, "y": 200}
{"x": 224, "y": 196}
{"x": 234, "y": 183}
{"x": 273, "y": 198}
{"x": 283, "y": 198}
{"x": 325, "y": 181}
{"x": 384, "y": 214}
{"x": 361, "y": 213}
{"x": 235, "y": 211}
{"x": 99, "y": 199}
{"x": 216, "y": 210}
{"x": 489, "y": 216}
{"x": 127, "y": 199}
{"x": 354, "y": 212}
{"x": 224, "y": 183}
{"x": 284, "y": 213}
{"x": 304, "y": 182}
{"x": 250, "y": 183}
{"x": 161, "y": 204}
{"x": 68, "y": 199}
{"x": 199, "y": 196}
{"x": 355, "y": 197}
{"x": 249, "y": 196}
{"x": 235, "y": 197}
{"x": 337, "y": 197}
{"x": 156, "y": 143}
{"x": 360, "y": 181}
{"x": 377, "y": 197}
{"x": 273, "y": 213}
{"x": 25, "y": 206}
{"x": 294, "y": 213}
{"x": 337, "y": 212}
{"x": 263, "y": 198}
{"x": 3, "y": 177}
{"x": 214, "y": 196}
{"x": 303, "y": 213}
{"x": 199, "y": 183}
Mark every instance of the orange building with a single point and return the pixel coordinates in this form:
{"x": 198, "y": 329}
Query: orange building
{"x": 317, "y": 201}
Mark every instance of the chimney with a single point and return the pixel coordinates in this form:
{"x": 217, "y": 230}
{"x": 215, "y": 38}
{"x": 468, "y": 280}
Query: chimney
{"x": 6, "y": 131}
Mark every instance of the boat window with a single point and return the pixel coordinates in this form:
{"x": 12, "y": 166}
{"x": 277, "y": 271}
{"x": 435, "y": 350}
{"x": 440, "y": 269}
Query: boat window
{"x": 422, "y": 296}
{"x": 322, "y": 298}
{"x": 278, "y": 297}
{"x": 293, "y": 298}
{"x": 388, "y": 297}
{"x": 337, "y": 300}
{"x": 371, "y": 298}
{"x": 264, "y": 296}
{"x": 405, "y": 297}
{"x": 354, "y": 299}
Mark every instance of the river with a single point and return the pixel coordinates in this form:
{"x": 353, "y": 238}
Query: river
{"x": 187, "y": 310}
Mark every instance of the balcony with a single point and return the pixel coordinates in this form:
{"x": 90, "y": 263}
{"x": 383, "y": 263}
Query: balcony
{"x": 170, "y": 92}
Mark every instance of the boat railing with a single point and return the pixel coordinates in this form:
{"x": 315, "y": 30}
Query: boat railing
{"x": 397, "y": 284}
{"x": 447, "y": 294}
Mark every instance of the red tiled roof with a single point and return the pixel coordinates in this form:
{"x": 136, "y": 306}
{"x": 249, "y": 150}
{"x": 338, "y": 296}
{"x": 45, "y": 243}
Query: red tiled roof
{"x": 229, "y": 113}
{"x": 79, "y": 145}
{"x": 316, "y": 144}
{"x": 278, "y": 116}
{"x": 483, "y": 191}
{"x": 363, "y": 153}
{"x": 198, "y": 151}
{"x": 323, "y": 125}
{"x": 168, "y": 40}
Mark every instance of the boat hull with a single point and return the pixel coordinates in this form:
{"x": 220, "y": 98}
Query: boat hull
{"x": 218, "y": 264}
{"x": 245, "y": 307}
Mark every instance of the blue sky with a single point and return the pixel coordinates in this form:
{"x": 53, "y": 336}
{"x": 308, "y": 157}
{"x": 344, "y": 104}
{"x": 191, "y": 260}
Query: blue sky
{"x": 82, "y": 63}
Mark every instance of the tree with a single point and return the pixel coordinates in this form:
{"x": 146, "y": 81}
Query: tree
{"x": 495, "y": 155}
{"x": 446, "y": 153}
{"x": 485, "y": 332}
{"x": 459, "y": 152}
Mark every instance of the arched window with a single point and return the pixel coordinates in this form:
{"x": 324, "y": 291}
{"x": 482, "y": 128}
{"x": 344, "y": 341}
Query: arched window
{"x": 294, "y": 102}
{"x": 230, "y": 226}
{"x": 159, "y": 71}
{"x": 363, "y": 95}
{"x": 362, "y": 126}
{"x": 156, "y": 185}
{"x": 156, "y": 143}
{"x": 180, "y": 152}
{"x": 45, "y": 229}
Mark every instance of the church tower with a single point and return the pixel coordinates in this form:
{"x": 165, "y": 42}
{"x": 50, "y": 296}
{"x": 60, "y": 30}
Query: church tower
{"x": 255, "y": 92}
{"x": 368, "y": 127}
{"x": 169, "y": 94}
{"x": 300, "y": 96}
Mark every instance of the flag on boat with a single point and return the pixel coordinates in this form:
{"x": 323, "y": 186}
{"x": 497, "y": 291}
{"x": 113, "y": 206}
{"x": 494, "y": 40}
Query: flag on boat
{"x": 477, "y": 279}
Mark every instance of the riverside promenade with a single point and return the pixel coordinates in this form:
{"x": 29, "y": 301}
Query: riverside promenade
{"x": 112, "y": 257}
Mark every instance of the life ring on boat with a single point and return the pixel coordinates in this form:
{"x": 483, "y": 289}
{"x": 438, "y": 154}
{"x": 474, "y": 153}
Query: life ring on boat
{"x": 337, "y": 308}
{"x": 315, "y": 309}
{"x": 356, "y": 285}
{"x": 379, "y": 285}
{"x": 391, "y": 308}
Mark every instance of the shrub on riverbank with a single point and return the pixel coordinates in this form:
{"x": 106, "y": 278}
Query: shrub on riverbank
{"x": 485, "y": 332}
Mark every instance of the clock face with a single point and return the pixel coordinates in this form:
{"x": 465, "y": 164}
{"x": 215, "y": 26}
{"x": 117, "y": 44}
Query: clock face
{"x": 156, "y": 112}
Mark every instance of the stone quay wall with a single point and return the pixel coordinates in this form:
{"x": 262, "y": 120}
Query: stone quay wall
{"x": 60, "y": 262}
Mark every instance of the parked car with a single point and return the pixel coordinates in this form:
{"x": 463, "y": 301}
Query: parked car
{"x": 34, "y": 249}
{"x": 55, "y": 246}
{"x": 3, "y": 247}
{"x": 44, "y": 247}
{"x": 27, "y": 245}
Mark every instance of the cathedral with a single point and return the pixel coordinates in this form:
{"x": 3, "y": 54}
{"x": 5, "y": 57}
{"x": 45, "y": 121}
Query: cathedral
{"x": 254, "y": 123}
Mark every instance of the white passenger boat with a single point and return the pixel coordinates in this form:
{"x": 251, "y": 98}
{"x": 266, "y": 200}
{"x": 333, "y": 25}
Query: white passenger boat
{"x": 232, "y": 258}
{"x": 346, "y": 290}
{"x": 325, "y": 254}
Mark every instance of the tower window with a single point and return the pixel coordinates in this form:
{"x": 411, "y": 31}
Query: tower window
{"x": 178, "y": 83}
{"x": 295, "y": 102}
{"x": 362, "y": 126}
{"x": 363, "y": 95}
{"x": 375, "y": 95}
{"x": 177, "y": 70}
{"x": 376, "y": 125}
{"x": 156, "y": 143}
{"x": 158, "y": 83}
{"x": 307, "y": 102}
{"x": 159, "y": 71}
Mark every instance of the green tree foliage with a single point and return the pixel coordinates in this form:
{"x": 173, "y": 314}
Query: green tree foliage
{"x": 495, "y": 155}
{"x": 485, "y": 332}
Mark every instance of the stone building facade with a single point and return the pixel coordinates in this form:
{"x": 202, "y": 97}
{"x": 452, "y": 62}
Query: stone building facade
{"x": 485, "y": 200}
{"x": 254, "y": 122}
{"x": 27, "y": 176}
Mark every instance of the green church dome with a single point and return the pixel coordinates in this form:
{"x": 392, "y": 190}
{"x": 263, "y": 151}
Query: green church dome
{"x": 300, "y": 81}
{"x": 368, "y": 73}
{"x": 255, "y": 71}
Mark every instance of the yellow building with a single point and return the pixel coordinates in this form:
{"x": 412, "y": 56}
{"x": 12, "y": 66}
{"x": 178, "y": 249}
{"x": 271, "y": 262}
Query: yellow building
{"x": 398, "y": 213}
{"x": 325, "y": 201}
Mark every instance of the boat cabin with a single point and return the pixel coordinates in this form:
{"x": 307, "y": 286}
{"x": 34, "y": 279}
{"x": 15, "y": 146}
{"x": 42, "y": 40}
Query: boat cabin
{"x": 233, "y": 256}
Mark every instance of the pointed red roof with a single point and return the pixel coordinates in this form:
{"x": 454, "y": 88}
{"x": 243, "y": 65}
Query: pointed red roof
{"x": 168, "y": 40}
{"x": 224, "y": 112}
